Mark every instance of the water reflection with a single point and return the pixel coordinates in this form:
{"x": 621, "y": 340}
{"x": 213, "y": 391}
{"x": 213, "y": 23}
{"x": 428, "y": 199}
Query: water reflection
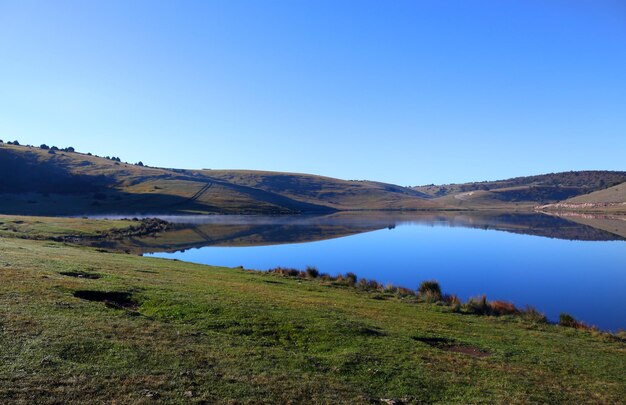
{"x": 561, "y": 267}
{"x": 233, "y": 230}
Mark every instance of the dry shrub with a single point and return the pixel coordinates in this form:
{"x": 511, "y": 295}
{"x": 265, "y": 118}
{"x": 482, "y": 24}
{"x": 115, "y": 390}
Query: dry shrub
{"x": 312, "y": 272}
{"x": 569, "y": 321}
{"x": 453, "y": 301}
{"x": 374, "y": 285}
{"x": 478, "y": 305}
{"x": 531, "y": 314}
{"x": 405, "y": 292}
{"x": 502, "y": 308}
{"x": 429, "y": 297}
{"x": 429, "y": 291}
{"x": 390, "y": 289}
{"x": 325, "y": 277}
{"x": 284, "y": 271}
{"x": 351, "y": 278}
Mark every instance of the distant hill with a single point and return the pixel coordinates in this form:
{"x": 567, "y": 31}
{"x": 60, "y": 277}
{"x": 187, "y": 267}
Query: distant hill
{"x": 615, "y": 194}
{"x": 327, "y": 191}
{"x": 611, "y": 200}
{"x": 42, "y": 181}
{"x": 49, "y": 181}
{"x": 522, "y": 191}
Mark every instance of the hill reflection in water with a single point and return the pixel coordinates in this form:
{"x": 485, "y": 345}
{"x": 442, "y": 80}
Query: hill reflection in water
{"x": 244, "y": 230}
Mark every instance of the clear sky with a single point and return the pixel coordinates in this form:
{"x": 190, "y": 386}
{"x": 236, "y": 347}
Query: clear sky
{"x": 408, "y": 92}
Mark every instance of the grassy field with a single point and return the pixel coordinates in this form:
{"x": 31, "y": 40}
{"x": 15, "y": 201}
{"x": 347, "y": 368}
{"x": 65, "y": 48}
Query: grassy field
{"x": 79, "y": 325}
{"x": 50, "y": 227}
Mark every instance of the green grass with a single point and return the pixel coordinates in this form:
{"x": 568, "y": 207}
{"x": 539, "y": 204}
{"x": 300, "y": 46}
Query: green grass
{"x": 50, "y": 227}
{"x": 201, "y": 333}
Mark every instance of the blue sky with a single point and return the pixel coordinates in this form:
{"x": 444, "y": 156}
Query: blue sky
{"x": 409, "y": 92}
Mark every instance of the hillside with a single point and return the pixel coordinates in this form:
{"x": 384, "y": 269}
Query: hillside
{"x": 615, "y": 194}
{"x": 46, "y": 182}
{"x": 335, "y": 193}
{"x": 41, "y": 181}
{"x": 611, "y": 201}
{"x": 522, "y": 192}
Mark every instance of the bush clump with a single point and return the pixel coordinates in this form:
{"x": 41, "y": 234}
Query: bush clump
{"x": 312, "y": 272}
{"x": 569, "y": 321}
{"x": 531, "y": 314}
{"x": 502, "y": 308}
{"x": 429, "y": 291}
{"x": 477, "y": 305}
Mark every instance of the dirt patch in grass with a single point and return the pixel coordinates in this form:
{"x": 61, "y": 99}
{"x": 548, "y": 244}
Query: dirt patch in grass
{"x": 81, "y": 274}
{"x": 273, "y": 282}
{"x": 113, "y": 299}
{"x": 146, "y": 271}
{"x": 451, "y": 345}
{"x": 365, "y": 331}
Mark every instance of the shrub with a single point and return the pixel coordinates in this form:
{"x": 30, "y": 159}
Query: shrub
{"x": 531, "y": 314}
{"x": 569, "y": 321}
{"x": 348, "y": 279}
{"x": 140, "y": 163}
{"x": 44, "y": 146}
{"x": 429, "y": 297}
{"x": 405, "y": 292}
{"x": 430, "y": 291}
{"x": 477, "y": 305}
{"x": 502, "y": 308}
{"x": 351, "y": 278}
{"x": 390, "y": 288}
{"x": 369, "y": 285}
{"x": 285, "y": 272}
{"x": 453, "y": 301}
{"x": 312, "y": 272}
{"x": 566, "y": 320}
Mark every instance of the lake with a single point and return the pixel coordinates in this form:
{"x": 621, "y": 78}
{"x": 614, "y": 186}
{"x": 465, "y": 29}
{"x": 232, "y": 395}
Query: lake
{"x": 555, "y": 264}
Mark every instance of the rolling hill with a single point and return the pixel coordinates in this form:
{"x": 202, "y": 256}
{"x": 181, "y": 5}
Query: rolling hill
{"x": 615, "y": 194}
{"x": 327, "y": 191}
{"x": 611, "y": 200}
{"x": 57, "y": 182}
{"x": 49, "y": 181}
{"x": 522, "y": 192}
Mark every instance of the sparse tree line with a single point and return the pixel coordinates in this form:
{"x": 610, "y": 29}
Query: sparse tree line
{"x": 54, "y": 149}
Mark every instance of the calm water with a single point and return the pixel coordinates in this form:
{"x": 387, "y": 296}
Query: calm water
{"x": 524, "y": 259}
